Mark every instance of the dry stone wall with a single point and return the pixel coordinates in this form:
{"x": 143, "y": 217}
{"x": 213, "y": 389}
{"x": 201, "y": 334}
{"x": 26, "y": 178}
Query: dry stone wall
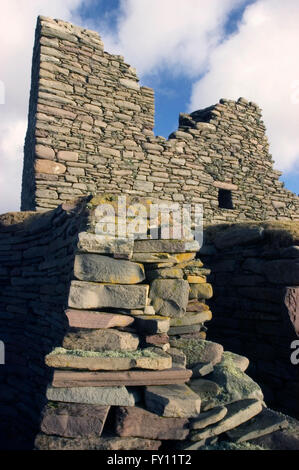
{"x": 90, "y": 131}
{"x": 255, "y": 277}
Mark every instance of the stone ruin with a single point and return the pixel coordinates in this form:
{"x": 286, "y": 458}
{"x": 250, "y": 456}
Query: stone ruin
{"x": 106, "y": 339}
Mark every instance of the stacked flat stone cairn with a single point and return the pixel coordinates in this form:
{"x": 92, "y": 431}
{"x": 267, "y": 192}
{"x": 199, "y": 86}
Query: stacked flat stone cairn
{"x": 134, "y": 371}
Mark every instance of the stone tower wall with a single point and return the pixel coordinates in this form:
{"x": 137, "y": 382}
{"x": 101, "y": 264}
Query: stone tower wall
{"x": 90, "y": 131}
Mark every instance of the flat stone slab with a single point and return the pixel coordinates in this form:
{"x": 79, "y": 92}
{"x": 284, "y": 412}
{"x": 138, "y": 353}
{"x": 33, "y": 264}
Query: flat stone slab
{"x": 74, "y": 419}
{"x": 97, "y": 268}
{"x": 201, "y": 290}
{"x": 169, "y": 297}
{"x": 146, "y": 324}
{"x": 90, "y": 319}
{"x": 172, "y": 401}
{"x": 235, "y": 384}
{"x": 159, "y": 339}
{"x": 197, "y": 350}
{"x": 114, "y": 396}
{"x": 191, "y": 318}
{"x": 196, "y": 306}
{"x": 266, "y": 422}
{"x": 201, "y": 369}
{"x": 150, "y": 358}
{"x": 230, "y": 358}
{"x": 100, "y": 340}
{"x": 164, "y": 246}
{"x": 164, "y": 273}
{"x": 92, "y": 243}
{"x": 87, "y": 295}
{"x": 158, "y": 258}
{"x": 182, "y": 330}
{"x": 69, "y": 378}
{"x": 237, "y": 413}
{"x": 208, "y": 418}
{"x": 44, "y": 442}
{"x": 137, "y": 422}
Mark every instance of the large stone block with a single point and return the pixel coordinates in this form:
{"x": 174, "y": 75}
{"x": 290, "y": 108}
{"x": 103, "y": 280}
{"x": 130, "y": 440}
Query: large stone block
{"x": 91, "y": 295}
{"x": 137, "y": 422}
{"x": 93, "y": 243}
{"x": 49, "y": 167}
{"x": 150, "y": 358}
{"x": 90, "y": 319}
{"x": 44, "y": 442}
{"x": 169, "y": 297}
{"x": 74, "y": 420}
{"x": 172, "y": 401}
{"x": 97, "y": 268}
{"x": 100, "y": 340}
{"x": 114, "y": 396}
{"x": 199, "y": 351}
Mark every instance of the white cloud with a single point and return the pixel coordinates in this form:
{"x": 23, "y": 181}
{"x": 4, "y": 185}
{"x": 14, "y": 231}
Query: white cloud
{"x": 260, "y": 62}
{"x": 17, "y": 25}
{"x": 173, "y": 33}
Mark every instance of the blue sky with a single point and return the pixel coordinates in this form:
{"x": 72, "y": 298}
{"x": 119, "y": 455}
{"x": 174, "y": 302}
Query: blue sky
{"x": 192, "y": 53}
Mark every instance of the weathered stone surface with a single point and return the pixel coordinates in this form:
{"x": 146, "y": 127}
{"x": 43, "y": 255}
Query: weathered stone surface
{"x": 230, "y": 358}
{"x": 166, "y": 273}
{"x": 68, "y": 156}
{"x": 237, "y": 413}
{"x": 152, "y": 324}
{"x": 196, "y": 279}
{"x": 178, "y": 357}
{"x": 198, "y": 350}
{"x": 116, "y": 396}
{"x": 44, "y": 442}
{"x": 66, "y": 378}
{"x": 90, "y": 295}
{"x": 92, "y": 243}
{"x": 137, "y": 422}
{"x": 41, "y": 151}
{"x": 191, "y": 318}
{"x": 291, "y": 301}
{"x": 227, "y": 186}
{"x": 158, "y": 339}
{"x": 238, "y": 236}
{"x": 169, "y": 297}
{"x": 185, "y": 329}
{"x": 97, "y": 268}
{"x": 206, "y": 389}
{"x": 159, "y": 246}
{"x": 149, "y": 358}
{"x": 235, "y": 384}
{"x": 49, "y": 167}
{"x": 196, "y": 306}
{"x": 207, "y": 418}
{"x": 176, "y": 401}
{"x": 158, "y": 258}
{"x": 201, "y": 291}
{"x": 74, "y": 420}
{"x": 266, "y": 422}
{"x": 90, "y": 319}
{"x": 100, "y": 340}
{"x": 201, "y": 369}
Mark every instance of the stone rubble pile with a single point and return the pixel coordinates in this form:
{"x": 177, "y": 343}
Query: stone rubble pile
{"x": 134, "y": 371}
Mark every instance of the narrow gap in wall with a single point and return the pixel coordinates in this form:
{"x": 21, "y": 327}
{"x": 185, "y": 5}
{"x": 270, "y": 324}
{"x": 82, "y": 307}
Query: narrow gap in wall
{"x": 225, "y": 200}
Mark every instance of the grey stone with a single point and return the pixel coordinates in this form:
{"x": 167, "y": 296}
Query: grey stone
{"x": 198, "y": 350}
{"x": 208, "y": 417}
{"x": 97, "y": 268}
{"x": 169, "y": 296}
{"x": 266, "y": 422}
{"x": 44, "y": 442}
{"x": 237, "y": 413}
{"x": 172, "y": 401}
{"x": 86, "y": 295}
{"x": 230, "y": 358}
{"x": 100, "y": 340}
{"x": 115, "y": 396}
{"x": 92, "y": 243}
{"x": 201, "y": 369}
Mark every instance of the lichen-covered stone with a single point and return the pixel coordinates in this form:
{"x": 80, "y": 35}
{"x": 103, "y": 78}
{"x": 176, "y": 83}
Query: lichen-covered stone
{"x": 169, "y": 296}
